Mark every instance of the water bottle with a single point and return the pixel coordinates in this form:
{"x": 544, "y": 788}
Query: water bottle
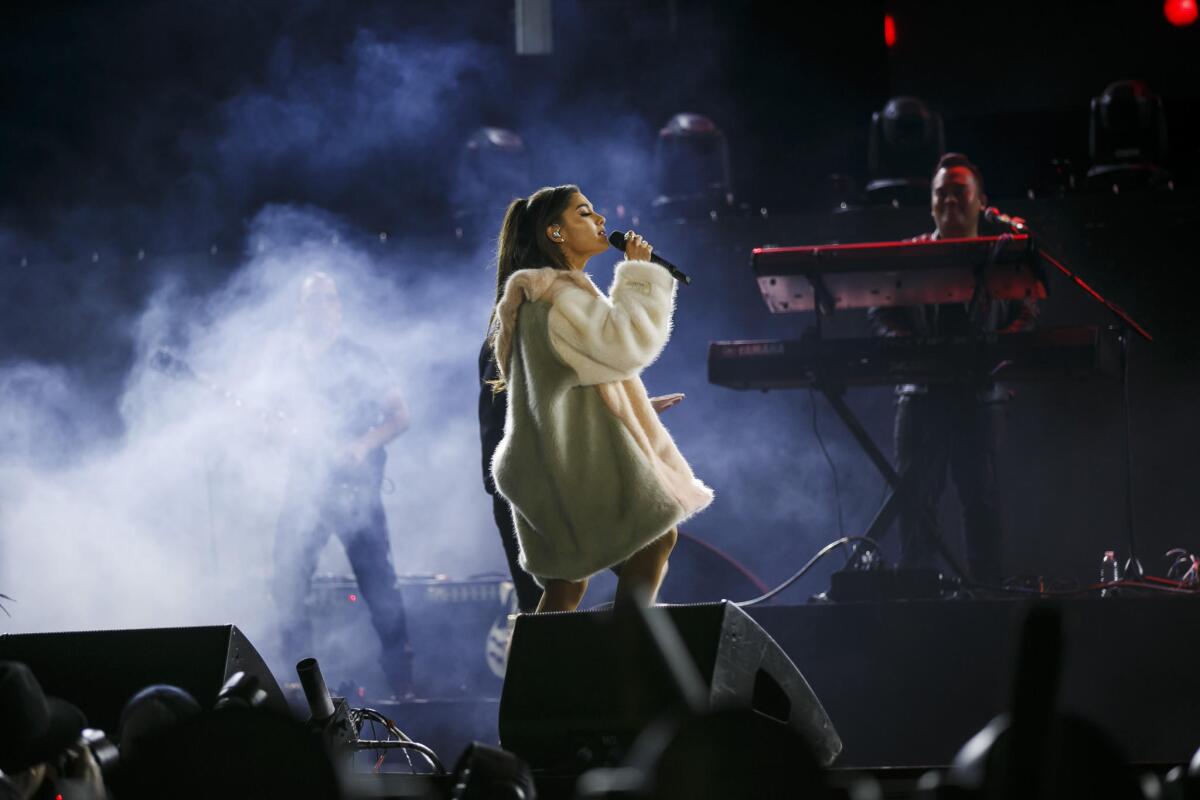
{"x": 1110, "y": 572}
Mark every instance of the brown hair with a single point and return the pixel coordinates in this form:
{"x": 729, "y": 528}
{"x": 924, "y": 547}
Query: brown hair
{"x": 523, "y": 243}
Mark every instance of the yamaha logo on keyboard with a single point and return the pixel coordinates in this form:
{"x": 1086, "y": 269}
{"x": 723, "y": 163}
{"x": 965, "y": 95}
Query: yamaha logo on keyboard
{"x": 749, "y": 349}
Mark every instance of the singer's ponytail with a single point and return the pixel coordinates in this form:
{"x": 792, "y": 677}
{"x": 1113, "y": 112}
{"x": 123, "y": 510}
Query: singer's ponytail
{"x": 506, "y": 246}
{"x": 523, "y": 243}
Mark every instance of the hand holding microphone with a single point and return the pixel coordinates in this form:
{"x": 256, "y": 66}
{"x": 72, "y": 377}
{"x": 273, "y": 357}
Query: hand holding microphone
{"x": 638, "y": 249}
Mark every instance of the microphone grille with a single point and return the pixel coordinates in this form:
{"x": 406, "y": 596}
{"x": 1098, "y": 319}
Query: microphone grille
{"x": 617, "y": 240}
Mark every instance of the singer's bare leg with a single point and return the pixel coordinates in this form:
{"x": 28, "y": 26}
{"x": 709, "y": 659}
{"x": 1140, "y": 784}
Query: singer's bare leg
{"x": 646, "y": 569}
{"x": 562, "y": 595}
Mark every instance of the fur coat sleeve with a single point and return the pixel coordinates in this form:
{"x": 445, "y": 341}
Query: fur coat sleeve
{"x": 605, "y": 339}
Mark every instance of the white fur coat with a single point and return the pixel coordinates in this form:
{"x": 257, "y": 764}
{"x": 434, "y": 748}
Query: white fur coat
{"x": 590, "y": 470}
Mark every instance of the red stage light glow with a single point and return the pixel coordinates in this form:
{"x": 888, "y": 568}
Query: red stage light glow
{"x": 889, "y": 27}
{"x": 353, "y": 598}
{"x": 1180, "y": 12}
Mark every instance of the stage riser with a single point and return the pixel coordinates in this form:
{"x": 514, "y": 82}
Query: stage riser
{"x": 906, "y": 684}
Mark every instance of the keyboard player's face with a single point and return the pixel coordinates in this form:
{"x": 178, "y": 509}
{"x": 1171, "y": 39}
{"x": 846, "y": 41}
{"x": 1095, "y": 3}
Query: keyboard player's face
{"x": 956, "y": 203}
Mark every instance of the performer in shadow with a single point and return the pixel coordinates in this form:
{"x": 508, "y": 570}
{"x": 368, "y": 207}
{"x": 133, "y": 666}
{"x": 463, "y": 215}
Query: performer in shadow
{"x": 349, "y": 409}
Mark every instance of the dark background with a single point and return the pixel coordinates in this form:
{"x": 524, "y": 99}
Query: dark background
{"x": 163, "y": 128}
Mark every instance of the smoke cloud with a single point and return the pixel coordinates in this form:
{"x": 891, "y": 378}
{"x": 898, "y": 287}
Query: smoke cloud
{"x": 172, "y": 523}
{"x": 133, "y": 495}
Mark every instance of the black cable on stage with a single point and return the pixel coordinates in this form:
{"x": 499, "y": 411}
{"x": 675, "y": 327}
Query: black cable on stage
{"x": 1085, "y": 590}
{"x": 965, "y": 584}
{"x": 1133, "y": 564}
{"x": 824, "y": 551}
{"x": 402, "y": 742}
{"x": 837, "y": 489}
{"x": 393, "y": 744}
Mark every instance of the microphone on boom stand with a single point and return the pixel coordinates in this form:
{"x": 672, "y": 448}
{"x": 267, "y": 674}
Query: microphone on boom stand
{"x": 998, "y": 217}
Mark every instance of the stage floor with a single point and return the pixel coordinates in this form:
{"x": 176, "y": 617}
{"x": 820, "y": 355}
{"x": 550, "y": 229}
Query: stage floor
{"x": 908, "y": 683}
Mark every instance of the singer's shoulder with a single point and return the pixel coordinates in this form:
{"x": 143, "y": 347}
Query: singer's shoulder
{"x": 547, "y": 283}
{"x": 532, "y": 274}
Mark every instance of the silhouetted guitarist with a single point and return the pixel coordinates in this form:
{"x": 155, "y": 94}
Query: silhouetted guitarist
{"x": 349, "y": 411}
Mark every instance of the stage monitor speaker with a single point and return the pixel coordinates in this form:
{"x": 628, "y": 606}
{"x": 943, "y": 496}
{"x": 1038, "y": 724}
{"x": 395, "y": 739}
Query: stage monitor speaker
{"x": 579, "y": 688}
{"x": 100, "y": 670}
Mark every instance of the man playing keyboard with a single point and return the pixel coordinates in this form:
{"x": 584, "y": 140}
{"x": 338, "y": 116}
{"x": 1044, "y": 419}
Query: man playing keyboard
{"x": 952, "y": 428}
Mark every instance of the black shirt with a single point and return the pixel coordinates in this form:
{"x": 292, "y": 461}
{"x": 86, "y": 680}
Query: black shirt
{"x": 492, "y": 410}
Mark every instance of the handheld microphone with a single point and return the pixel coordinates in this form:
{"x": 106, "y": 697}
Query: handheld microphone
{"x": 995, "y": 215}
{"x": 617, "y": 240}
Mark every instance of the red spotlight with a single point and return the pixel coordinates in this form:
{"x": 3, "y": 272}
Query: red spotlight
{"x": 1180, "y": 12}
{"x": 353, "y": 598}
{"x": 889, "y": 26}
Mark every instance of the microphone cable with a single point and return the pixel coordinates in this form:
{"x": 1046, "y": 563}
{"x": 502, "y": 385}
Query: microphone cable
{"x": 824, "y": 551}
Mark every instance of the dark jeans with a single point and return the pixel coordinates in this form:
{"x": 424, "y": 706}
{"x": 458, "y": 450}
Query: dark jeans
{"x": 357, "y": 518}
{"x": 950, "y": 432}
{"x": 528, "y": 592}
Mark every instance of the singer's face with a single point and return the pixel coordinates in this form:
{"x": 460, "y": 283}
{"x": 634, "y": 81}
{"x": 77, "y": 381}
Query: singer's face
{"x": 956, "y": 202}
{"x": 582, "y": 230}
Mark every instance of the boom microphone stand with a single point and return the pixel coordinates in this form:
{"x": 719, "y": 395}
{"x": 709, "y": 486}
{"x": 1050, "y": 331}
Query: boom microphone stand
{"x": 1126, "y": 326}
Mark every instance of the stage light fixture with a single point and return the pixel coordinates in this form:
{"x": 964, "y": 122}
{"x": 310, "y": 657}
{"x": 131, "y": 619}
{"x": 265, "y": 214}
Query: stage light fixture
{"x": 1180, "y": 13}
{"x": 1127, "y": 139}
{"x": 534, "y": 27}
{"x": 493, "y": 167}
{"x": 691, "y": 168}
{"x": 906, "y": 140}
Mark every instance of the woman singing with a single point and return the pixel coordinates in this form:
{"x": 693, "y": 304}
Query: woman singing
{"x": 593, "y": 477}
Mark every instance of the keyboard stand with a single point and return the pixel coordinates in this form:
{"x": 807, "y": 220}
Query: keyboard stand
{"x": 896, "y": 481}
{"x": 890, "y": 508}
